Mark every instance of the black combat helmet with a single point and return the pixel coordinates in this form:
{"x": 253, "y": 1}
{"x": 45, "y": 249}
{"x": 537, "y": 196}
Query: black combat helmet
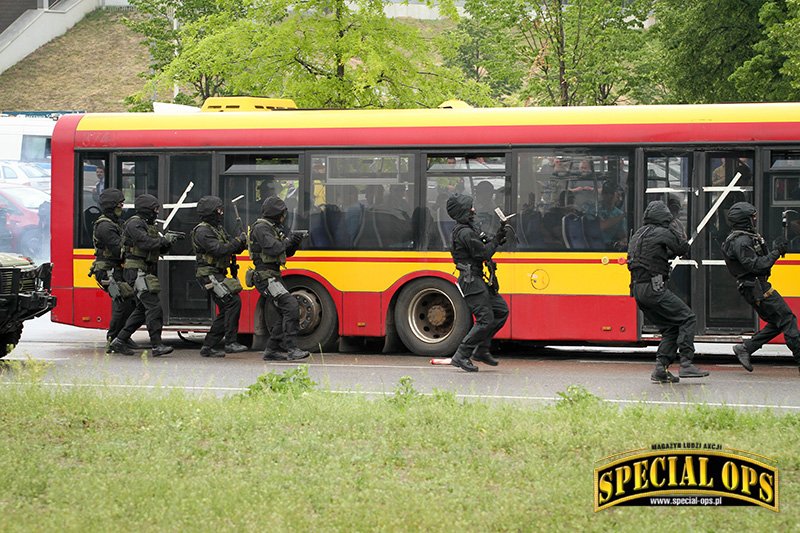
{"x": 147, "y": 207}
{"x": 207, "y": 208}
{"x": 459, "y": 207}
{"x": 109, "y": 199}
{"x": 273, "y": 208}
{"x": 740, "y": 215}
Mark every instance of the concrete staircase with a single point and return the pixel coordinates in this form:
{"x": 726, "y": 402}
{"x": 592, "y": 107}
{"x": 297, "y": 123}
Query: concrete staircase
{"x": 28, "y": 24}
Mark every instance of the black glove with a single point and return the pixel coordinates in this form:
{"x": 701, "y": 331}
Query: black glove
{"x": 242, "y": 238}
{"x": 502, "y": 236}
{"x": 781, "y": 245}
{"x": 296, "y": 239}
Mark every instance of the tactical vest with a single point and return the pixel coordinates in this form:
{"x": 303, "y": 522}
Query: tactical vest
{"x": 207, "y": 264}
{"x": 135, "y": 257}
{"x": 734, "y": 266}
{"x": 460, "y": 254}
{"x": 637, "y": 261}
{"x": 106, "y": 259}
{"x": 262, "y": 260}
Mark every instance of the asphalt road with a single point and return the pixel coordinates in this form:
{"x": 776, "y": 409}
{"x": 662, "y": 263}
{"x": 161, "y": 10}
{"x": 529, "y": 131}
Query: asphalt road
{"x": 526, "y": 374}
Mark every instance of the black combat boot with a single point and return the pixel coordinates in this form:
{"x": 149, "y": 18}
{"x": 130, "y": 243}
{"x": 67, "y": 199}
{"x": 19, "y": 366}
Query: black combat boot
{"x": 744, "y": 356}
{"x": 210, "y": 351}
{"x": 160, "y": 349}
{"x": 119, "y": 346}
{"x": 688, "y": 370}
{"x": 462, "y": 361}
{"x": 295, "y": 354}
{"x": 235, "y": 347}
{"x": 132, "y": 345}
{"x": 482, "y": 354}
{"x": 662, "y": 375}
{"x": 272, "y": 354}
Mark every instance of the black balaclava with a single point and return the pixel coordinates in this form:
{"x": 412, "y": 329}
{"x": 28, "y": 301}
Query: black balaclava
{"x": 147, "y": 207}
{"x": 109, "y": 200}
{"x": 658, "y": 213}
{"x": 273, "y": 209}
{"x": 741, "y": 216}
{"x": 208, "y": 208}
{"x": 459, "y": 207}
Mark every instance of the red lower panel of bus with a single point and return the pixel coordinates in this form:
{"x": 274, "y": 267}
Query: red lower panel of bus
{"x": 535, "y": 317}
{"x": 573, "y": 318}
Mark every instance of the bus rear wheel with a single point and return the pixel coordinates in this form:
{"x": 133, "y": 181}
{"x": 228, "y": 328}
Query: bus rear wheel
{"x": 431, "y": 317}
{"x": 319, "y": 325}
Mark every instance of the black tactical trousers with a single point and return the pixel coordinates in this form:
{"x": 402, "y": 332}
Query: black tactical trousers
{"x": 120, "y": 312}
{"x": 779, "y": 318}
{"x": 226, "y": 323}
{"x": 120, "y": 309}
{"x": 491, "y": 312}
{"x": 281, "y": 314}
{"x": 147, "y": 311}
{"x": 674, "y": 319}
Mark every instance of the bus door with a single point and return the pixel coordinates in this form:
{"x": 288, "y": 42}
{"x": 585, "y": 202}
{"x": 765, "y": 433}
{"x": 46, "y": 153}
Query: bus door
{"x": 185, "y": 301}
{"x": 723, "y": 311}
{"x": 690, "y": 182}
{"x": 668, "y": 177}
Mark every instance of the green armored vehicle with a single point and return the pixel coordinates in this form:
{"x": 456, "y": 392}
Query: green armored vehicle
{"x": 24, "y": 294}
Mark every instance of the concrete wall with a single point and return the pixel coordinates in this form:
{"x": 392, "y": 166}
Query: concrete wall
{"x": 36, "y": 27}
{"x": 10, "y": 10}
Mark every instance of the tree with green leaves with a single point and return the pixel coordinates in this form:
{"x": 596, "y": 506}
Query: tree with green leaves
{"x": 704, "y": 42}
{"x": 321, "y": 53}
{"x": 574, "y": 53}
{"x": 772, "y": 73}
{"x": 485, "y": 54}
{"x": 158, "y": 21}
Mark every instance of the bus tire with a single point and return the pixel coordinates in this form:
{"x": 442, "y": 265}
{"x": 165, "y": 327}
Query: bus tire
{"x": 319, "y": 324}
{"x": 431, "y": 317}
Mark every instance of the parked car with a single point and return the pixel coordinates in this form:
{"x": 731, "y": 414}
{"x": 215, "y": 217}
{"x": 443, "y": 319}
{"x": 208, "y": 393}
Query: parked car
{"x": 22, "y": 205}
{"x": 22, "y": 173}
{"x": 24, "y": 294}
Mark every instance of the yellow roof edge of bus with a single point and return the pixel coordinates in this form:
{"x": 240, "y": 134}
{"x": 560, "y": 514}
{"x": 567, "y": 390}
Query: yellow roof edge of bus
{"x": 246, "y": 103}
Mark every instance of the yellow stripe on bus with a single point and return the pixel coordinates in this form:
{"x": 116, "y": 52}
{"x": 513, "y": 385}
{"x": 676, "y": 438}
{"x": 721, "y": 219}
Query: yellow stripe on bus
{"x": 529, "y": 273}
{"x": 400, "y": 118}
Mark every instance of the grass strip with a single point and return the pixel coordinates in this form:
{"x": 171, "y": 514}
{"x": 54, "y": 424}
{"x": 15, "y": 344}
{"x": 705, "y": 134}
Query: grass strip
{"x": 287, "y": 457}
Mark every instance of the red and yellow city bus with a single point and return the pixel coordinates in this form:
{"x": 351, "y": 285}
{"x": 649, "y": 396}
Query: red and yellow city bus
{"x": 370, "y": 186}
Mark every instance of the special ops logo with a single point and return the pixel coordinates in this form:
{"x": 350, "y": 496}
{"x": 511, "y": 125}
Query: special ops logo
{"x": 688, "y": 473}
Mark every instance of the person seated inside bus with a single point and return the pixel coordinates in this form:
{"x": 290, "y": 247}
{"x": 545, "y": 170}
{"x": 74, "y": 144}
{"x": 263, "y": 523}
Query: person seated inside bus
{"x": 612, "y": 218}
{"x": 585, "y": 169}
{"x": 397, "y": 199}
{"x": 560, "y": 168}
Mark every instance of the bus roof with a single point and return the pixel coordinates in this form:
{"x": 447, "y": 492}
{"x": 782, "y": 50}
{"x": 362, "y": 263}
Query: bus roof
{"x": 459, "y": 126}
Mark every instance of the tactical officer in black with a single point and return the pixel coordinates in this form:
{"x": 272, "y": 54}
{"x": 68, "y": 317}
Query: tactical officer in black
{"x": 270, "y": 245}
{"x": 107, "y": 266}
{"x": 650, "y": 249}
{"x": 750, "y": 262}
{"x": 143, "y": 246}
{"x": 214, "y": 249}
{"x": 472, "y": 249}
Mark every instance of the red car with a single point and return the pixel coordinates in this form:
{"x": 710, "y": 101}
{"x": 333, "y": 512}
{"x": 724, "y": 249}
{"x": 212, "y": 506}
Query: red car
{"x": 20, "y": 207}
